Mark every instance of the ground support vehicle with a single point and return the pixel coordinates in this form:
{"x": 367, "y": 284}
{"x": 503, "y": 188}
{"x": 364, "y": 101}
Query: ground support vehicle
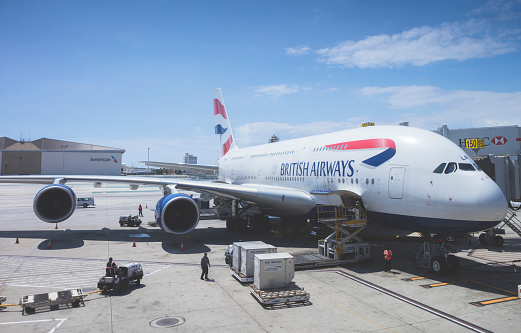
{"x": 129, "y": 220}
{"x": 53, "y": 300}
{"x": 290, "y": 294}
{"x": 119, "y": 278}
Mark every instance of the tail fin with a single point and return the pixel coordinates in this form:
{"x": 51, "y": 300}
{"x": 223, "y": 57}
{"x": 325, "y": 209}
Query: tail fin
{"x": 222, "y": 123}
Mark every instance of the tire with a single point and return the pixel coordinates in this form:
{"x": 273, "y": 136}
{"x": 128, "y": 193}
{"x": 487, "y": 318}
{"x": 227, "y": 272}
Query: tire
{"x": 439, "y": 265}
{"x": 452, "y": 264}
{"x": 483, "y": 239}
{"x": 85, "y": 205}
{"x": 76, "y": 303}
{"x": 29, "y": 310}
{"x": 498, "y": 241}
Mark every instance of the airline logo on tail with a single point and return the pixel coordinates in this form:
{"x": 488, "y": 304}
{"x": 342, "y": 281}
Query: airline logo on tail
{"x": 222, "y": 123}
{"x": 375, "y": 160}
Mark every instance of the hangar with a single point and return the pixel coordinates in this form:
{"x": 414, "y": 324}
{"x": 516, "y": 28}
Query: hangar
{"x": 56, "y": 157}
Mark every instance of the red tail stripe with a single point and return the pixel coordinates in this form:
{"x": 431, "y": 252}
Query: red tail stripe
{"x": 218, "y": 108}
{"x": 227, "y": 145}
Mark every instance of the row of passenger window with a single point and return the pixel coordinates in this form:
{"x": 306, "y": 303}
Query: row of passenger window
{"x": 453, "y": 167}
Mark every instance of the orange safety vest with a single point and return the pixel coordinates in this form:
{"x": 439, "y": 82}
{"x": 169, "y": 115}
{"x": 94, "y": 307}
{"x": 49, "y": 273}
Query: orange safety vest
{"x": 388, "y": 254}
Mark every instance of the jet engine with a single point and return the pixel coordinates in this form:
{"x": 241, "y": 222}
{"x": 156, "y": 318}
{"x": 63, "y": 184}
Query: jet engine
{"x": 177, "y": 214}
{"x": 54, "y": 203}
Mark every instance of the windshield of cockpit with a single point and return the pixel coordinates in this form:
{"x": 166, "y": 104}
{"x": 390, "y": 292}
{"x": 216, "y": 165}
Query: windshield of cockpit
{"x": 450, "y": 167}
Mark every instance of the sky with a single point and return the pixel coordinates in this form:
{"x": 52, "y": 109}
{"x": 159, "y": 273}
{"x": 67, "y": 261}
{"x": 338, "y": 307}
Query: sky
{"x": 139, "y": 75}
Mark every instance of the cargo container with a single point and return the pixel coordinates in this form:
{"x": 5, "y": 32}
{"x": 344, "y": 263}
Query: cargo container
{"x": 237, "y": 249}
{"x": 248, "y": 253}
{"x": 273, "y": 270}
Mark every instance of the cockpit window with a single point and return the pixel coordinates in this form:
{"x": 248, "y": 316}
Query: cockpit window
{"x": 476, "y": 166}
{"x": 440, "y": 168}
{"x": 466, "y": 167}
{"x": 452, "y": 167}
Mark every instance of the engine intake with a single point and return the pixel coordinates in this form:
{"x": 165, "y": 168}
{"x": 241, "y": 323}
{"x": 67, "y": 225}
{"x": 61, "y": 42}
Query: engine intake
{"x": 177, "y": 214}
{"x": 54, "y": 203}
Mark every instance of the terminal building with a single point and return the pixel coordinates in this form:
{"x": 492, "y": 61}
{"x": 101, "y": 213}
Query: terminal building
{"x": 498, "y": 153}
{"x": 56, "y": 157}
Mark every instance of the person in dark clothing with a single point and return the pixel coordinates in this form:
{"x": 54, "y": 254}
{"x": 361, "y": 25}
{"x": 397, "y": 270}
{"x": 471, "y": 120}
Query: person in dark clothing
{"x": 205, "y": 263}
{"x": 140, "y": 210}
{"x": 388, "y": 254}
{"x": 111, "y": 264}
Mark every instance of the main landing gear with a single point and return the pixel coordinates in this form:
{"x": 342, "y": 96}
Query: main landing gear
{"x": 241, "y": 219}
{"x": 435, "y": 255}
{"x": 491, "y": 237}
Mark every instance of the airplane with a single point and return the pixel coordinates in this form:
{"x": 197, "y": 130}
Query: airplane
{"x": 404, "y": 177}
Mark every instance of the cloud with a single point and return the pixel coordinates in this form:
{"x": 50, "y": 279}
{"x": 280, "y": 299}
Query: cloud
{"x": 417, "y": 47}
{"x": 278, "y": 90}
{"x": 427, "y": 106}
{"x": 299, "y": 50}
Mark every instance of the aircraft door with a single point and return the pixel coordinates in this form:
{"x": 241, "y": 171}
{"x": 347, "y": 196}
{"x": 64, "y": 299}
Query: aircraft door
{"x": 396, "y": 179}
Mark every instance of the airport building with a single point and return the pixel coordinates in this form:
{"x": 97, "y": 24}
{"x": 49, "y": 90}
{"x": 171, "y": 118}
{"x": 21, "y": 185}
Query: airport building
{"x": 56, "y": 157}
{"x": 497, "y": 150}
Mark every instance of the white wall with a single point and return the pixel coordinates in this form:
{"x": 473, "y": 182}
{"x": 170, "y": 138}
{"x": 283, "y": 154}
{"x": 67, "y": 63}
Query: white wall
{"x": 81, "y": 163}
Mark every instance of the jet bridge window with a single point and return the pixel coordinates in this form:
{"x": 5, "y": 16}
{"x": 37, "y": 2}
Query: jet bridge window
{"x": 466, "y": 167}
{"x": 452, "y": 167}
{"x": 440, "y": 168}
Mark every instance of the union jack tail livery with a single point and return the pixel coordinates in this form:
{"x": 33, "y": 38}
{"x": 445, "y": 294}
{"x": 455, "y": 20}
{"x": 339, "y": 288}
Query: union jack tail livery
{"x": 222, "y": 123}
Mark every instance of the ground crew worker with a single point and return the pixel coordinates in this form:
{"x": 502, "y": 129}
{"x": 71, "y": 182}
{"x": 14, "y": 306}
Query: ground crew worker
{"x": 140, "y": 210}
{"x": 111, "y": 264}
{"x": 205, "y": 263}
{"x": 388, "y": 254}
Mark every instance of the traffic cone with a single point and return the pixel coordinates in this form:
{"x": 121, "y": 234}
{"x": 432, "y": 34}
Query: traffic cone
{"x": 49, "y": 246}
{"x": 134, "y": 245}
{"x": 56, "y": 226}
{"x": 146, "y": 206}
{"x": 182, "y": 247}
{"x": 17, "y": 242}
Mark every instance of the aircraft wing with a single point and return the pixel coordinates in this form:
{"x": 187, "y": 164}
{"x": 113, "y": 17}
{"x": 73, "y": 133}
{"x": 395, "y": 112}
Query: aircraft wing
{"x": 272, "y": 199}
{"x": 210, "y": 169}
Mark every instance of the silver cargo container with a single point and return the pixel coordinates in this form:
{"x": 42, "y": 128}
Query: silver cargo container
{"x": 248, "y": 252}
{"x": 237, "y": 249}
{"x": 273, "y": 270}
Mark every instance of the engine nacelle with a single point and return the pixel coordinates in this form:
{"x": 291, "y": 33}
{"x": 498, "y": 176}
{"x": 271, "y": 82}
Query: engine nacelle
{"x": 177, "y": 214}
{"x": 54, "y": 203}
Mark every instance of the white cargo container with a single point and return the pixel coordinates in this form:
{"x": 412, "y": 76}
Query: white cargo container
{"x": 237, "y": 249}
{"x": 273, "y": 270}
{"x": 248, "y": 253}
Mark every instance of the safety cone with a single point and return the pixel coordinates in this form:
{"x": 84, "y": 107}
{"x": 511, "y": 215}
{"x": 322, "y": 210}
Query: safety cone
{"x": 17, "y": 242}
{"x": 182, "y": 247}
{"x": 49, "y": 246}
{"x": 134, "y": 245}
{"x": 56, "y": 226}
{"x": 146, "y": 206}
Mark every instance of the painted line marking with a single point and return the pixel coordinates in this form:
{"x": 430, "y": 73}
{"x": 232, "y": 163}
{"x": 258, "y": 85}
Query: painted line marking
{"x": 427, "y": 308}
{"x": 419, "y": 278}
{"x": 494, "y": 301}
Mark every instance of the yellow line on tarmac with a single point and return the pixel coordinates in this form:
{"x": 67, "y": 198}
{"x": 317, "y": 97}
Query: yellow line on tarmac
{"x": 498, "y": 300}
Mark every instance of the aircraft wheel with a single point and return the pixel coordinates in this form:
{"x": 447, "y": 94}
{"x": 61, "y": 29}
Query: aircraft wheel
{"x": 439, "y": 265}
{"x": 452, "y": 263}
{"x": 498, "y": 241}
{"x": 230, "y": 224}
{"x": 483, "y": 239}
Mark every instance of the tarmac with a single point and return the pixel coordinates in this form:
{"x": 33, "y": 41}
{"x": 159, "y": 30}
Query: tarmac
{"x": 360, "y": 297}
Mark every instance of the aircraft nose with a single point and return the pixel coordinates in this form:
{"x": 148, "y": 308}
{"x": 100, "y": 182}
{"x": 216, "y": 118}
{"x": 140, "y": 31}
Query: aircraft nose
{"x": 492, "y": 204}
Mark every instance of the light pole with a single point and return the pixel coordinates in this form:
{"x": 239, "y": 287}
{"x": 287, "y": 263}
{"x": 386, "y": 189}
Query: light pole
{"x": 63, "y": 158}
{"x": 148, "y": 166}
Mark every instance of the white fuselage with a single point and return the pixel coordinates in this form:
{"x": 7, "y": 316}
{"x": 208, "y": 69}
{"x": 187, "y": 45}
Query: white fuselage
{"x": 390, "y": 167}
